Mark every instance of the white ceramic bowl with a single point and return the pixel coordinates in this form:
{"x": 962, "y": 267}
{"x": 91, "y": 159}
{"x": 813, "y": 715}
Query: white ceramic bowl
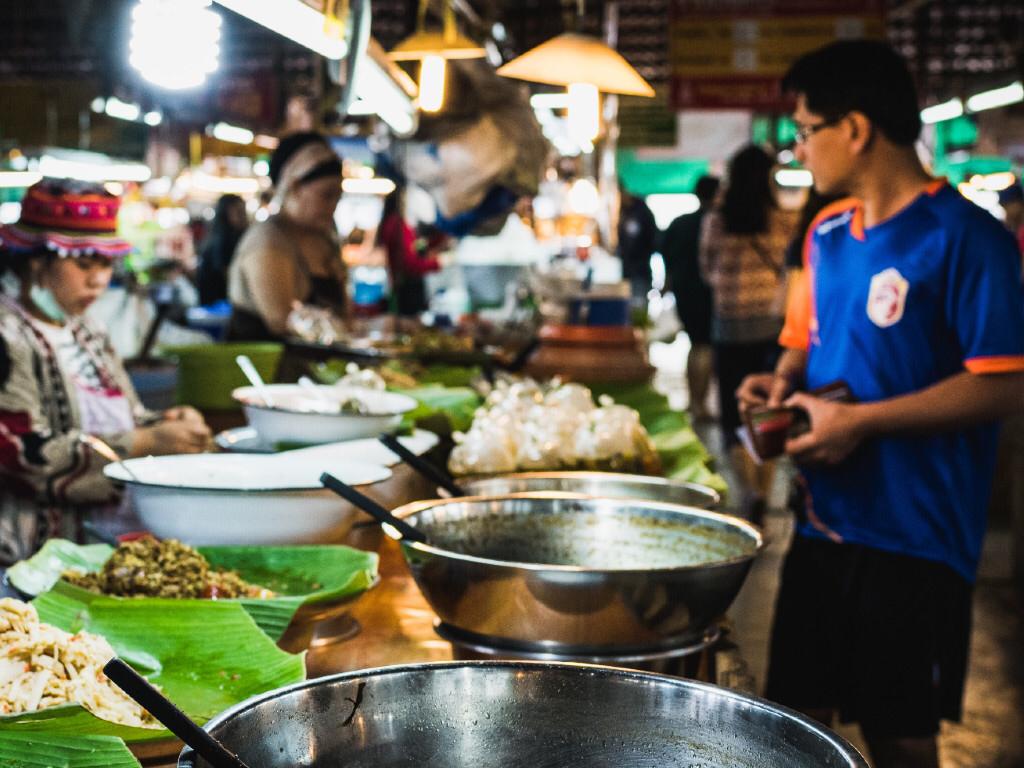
{"x": 241, "y": 499}
{"x": 301, "y": 416}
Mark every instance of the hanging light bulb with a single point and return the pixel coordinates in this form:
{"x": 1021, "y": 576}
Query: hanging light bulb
{"x": 584, "y": 112}
{"x": 335, "y": 18}
{"x": 432, "y": 74}
{"x": 432, "y": 50}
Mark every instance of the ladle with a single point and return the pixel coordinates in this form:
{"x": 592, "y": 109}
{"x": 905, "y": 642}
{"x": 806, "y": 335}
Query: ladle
{"x": 107, "y": 453}
{"x": 255, "y": 379}
{"x": 176, "y": 721}
{"x": 372, "y": 508}
{"x": 422, "y": 466}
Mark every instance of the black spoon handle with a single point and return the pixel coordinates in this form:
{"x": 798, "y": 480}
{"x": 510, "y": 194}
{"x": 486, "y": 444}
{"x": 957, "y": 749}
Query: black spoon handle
{"x": 371, "y": 507}
{"x": 176, "y": 721}
{"x": 421, "y": 465}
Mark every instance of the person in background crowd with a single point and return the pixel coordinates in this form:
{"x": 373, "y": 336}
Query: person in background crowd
{"x": 911, "y": 296}
{"x": 228, "y": 226}
{"x": 638, "y": 236}
{"x": 742, "y": 258}
{"x": 811, "y": 208}
{"x": 680, "y": 248}
{"x": 407, "y": 264}
{"x": 59, "y": 377}
{"x": 1012, "y": 200}
{"x": 293, "y": 257}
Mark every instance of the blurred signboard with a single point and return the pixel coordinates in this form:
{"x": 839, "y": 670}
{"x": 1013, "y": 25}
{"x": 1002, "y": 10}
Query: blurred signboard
{"x": 731, "y": 54}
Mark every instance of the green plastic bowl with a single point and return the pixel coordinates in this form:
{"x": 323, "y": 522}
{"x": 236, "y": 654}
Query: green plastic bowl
{"x": 207, "y": 373}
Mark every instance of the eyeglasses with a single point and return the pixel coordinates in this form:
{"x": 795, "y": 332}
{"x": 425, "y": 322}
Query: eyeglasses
{"x": 804, "y": 132}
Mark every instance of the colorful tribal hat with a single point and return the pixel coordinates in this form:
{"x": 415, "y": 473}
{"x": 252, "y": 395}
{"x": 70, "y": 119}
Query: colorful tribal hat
{"x": 70, "y": 218}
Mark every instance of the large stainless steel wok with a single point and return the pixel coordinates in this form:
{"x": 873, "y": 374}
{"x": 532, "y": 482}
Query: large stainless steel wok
{"x": 576, "y": 575}
{"x": 611, "y": 485}
{"x": 519, "y": 715}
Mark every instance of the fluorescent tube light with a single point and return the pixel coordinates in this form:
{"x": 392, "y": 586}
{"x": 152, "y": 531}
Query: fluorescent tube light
{"x": 794, "y": 177}
{"x": 998, "y": 97}
{"x": 122, "y": 110}
{"x": 947, "y": 110}
{"x": 232, "y": 133}
{"x": 19, "y": 179}
{"x": 376, "y": 186}
{"x": 292, "y": 19}
{"x": 85, "y": 170}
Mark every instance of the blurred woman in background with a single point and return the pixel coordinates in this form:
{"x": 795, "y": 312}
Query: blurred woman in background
{"x": 407, "y": 264}
{"x": 294, "y": 257}
{"x": 226, "y": 229}
{"x": 59, "y": 378}
{"x": 742, "y": 258}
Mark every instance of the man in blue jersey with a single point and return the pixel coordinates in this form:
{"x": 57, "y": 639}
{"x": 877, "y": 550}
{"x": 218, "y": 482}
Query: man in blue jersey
{"x": 912, "y": 297}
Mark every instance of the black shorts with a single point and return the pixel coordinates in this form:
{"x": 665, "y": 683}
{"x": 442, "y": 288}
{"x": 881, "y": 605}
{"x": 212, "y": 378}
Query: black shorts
{"x": 882, "y": 638}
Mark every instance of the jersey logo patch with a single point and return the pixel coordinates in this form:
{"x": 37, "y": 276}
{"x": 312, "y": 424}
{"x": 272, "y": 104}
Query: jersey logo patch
{"x": 887, "y": 297}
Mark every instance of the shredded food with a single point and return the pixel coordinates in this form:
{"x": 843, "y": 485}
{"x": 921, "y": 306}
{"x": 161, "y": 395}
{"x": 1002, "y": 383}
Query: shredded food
{"x": 42, "y": 666}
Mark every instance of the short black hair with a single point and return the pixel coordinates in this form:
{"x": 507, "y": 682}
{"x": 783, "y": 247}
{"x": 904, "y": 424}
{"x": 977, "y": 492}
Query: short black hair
{"x": 706, "y": 188}
{"x": 865, "y": 76}
{"x": 748, "y": 192}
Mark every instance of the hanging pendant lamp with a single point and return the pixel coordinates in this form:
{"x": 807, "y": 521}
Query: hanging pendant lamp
{"x": 574, "y": 58}
{"x": 433, "y": 49}
{"x": 447, "y": 43}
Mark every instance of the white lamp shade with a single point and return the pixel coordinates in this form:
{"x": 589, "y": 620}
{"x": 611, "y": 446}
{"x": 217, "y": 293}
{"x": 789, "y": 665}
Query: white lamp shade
{"x": 571, "y": 58}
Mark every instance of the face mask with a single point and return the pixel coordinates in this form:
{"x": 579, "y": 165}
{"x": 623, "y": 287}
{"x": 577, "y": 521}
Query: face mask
{"x": 47, "y": 303}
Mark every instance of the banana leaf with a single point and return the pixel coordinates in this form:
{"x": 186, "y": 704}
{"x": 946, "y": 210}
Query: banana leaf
{"x": 40, "y": 750}
{"x": 683, "y": 455}
{"x": 205, "y": 655}
{"x": 452, "y": 406}
{"x": 299, "y": 575}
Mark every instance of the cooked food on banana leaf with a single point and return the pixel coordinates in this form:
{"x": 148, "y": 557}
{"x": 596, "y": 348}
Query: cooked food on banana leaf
{"x": 525, "y": 426}
{"x": 147, "y": 567}
{"x": 42, "y": 666}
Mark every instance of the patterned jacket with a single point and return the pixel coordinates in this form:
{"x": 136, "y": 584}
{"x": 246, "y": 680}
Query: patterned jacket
{"x": 46, "y": 474}
{"x": 747, "y": 276}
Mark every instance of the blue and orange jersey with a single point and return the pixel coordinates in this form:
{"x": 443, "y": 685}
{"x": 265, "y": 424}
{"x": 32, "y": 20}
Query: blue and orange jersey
{"x": 890, "y": 310}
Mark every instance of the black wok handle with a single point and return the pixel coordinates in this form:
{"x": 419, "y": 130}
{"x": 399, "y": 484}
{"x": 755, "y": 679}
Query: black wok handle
{"x": 176, "y": 721}
{"x": 422, "y": 466}
{"x": 371, "y": 507}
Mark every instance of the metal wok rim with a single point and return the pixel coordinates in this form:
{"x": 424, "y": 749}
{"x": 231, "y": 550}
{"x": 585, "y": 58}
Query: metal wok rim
{"x": 705, "y": 490}
{"x": 187, "y": 758}
{"x": 415, "y": 507}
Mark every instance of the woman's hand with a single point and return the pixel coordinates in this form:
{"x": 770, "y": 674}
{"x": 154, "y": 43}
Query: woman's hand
{"x": 184, "y": 413}
{"x": 171, "y": 437}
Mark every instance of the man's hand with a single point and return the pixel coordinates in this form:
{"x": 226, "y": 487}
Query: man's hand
{"x": 763, "y": 389}
{"x": 836, "y": 430}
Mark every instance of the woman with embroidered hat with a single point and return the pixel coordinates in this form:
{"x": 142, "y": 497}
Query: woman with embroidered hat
{"x": 59, "y": 378}
{"x": 294, "y": 257}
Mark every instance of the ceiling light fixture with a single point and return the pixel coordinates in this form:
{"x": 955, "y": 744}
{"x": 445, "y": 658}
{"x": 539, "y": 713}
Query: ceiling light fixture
{"x": 19, "y": 179}
{"x": 296, "y": 21}
{"x": 175, "y": 44}
{"x": 794, "y": 177}
{"x": 947, "y": 110}
{"x": 998, "y": 97}
{"x": 433, "y": 49}
{"x": 587, "y": 67}
{"x": 232, "y": 133}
